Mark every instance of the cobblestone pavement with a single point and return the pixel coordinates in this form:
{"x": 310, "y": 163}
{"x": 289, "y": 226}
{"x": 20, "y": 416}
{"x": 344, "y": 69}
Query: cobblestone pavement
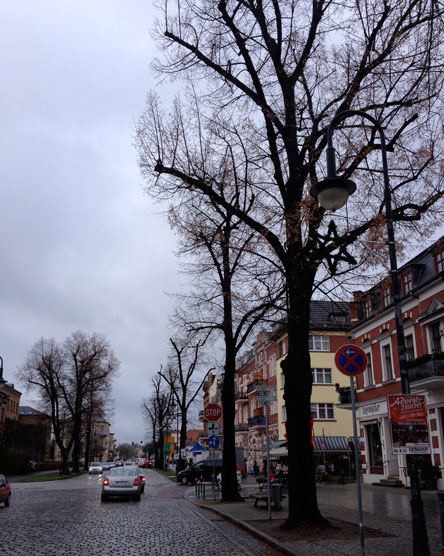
{"x": 66, "y": 518}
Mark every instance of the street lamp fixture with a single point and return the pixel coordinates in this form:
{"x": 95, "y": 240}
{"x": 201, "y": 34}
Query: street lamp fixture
{"x": 2, "y": 380}
{"x": 332, "y": 193}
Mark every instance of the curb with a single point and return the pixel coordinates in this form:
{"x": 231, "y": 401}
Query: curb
{"x": 246, "y": 526}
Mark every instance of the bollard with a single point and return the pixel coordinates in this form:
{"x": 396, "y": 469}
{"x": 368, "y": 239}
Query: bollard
{"x": 440, "y": 494}
{"x": 277, "y": 495}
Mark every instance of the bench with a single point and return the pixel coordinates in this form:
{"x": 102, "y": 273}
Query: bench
{"x": 259, "y": 496}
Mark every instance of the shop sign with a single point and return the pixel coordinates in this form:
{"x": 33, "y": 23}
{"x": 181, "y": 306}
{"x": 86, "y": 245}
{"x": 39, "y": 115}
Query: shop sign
{"x": 408, "y": 424}
{"x": 371, "y": 410}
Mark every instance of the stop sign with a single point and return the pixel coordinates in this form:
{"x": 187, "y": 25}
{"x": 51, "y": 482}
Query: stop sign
{"x": 212, "y": 412}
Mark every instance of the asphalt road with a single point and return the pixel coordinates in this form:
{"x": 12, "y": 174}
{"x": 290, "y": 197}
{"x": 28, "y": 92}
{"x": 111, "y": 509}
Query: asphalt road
{"x": 67, "y": 518}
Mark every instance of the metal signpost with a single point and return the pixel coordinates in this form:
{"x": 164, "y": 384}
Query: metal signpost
{"x": 352, "y": 361}
{"x": 212, "y": 414}
{"x": 266, "y": 396}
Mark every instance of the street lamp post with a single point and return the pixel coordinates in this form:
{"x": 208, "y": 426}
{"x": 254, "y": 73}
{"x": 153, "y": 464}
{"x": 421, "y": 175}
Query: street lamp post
{"x": 332, "y": 193}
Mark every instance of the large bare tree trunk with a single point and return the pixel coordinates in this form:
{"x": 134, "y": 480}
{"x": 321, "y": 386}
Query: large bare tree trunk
{"x": 303, "y": 506}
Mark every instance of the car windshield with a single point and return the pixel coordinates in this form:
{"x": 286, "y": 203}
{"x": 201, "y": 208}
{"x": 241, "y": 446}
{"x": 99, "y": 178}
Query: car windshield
{"x": 95, "y": 464}
{"x": 122, "y": 472}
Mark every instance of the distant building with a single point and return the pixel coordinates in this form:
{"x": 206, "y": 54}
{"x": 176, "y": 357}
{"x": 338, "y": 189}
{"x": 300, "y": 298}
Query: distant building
{"x": 9, "y": 404}
{"x": 30, "y": 416}
{"x": 102, "y": 445}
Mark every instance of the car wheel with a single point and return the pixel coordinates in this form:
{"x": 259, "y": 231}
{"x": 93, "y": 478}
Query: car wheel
{"x": 184, "y": 480}
{"x": 137, "y": 497}
{"x": 7, "y": 501}
{"x": 104, "y": 497}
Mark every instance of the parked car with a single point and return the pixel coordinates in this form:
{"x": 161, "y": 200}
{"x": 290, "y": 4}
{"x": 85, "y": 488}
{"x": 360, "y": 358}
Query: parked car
{"x": 122, "y": 482}
{"x": 143, "y": 481}
{"x": 106, "y": 466}
{"x": 201, "y": 471}
{"x": 95, "y": 467}
{"x": 5, "y": 490}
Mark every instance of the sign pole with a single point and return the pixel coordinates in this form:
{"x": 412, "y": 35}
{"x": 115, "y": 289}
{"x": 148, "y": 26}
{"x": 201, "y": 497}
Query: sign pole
{"x": 214, "y": 476}
{"x": 267, "y": 437}
{"x": 357, "y": 468}
{"x": 351, "y": 360}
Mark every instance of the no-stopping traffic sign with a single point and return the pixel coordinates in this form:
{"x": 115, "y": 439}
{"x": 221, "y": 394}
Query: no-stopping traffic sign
{"x": 351, "y": 360}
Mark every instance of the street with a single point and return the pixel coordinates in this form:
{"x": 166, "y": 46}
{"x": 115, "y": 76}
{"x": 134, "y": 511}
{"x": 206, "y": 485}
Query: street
{"x": 67, "y": 518}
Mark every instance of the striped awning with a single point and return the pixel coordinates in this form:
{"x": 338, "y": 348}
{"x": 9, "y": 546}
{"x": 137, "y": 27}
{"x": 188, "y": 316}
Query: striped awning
{"x": 330, "y": 444}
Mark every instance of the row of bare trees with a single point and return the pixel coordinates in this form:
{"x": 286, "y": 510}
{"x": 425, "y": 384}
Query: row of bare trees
{"x": 73, "y": 381}
{"x": 243, "y": 144}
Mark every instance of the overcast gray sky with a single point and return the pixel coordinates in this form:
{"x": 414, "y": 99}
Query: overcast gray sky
{"x": 81, "y": 245}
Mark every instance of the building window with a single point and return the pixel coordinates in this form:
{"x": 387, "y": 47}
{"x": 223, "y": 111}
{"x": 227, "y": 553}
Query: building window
{"x": 407, "y": 282}
{"x": 368, "y": 375}
{"x": 439, "y": 258}
{"x": 319, "y": 343}
{"x": 367, "y": 308}
{"x": 386, "y": 296}
{"x": 409, "y": 348}
{"x": 322, "y": 411}
{"x": 282, "y": 348}
{"x": 387, "y": 362}
{"x": 284, "y": 413}
{"x": 321, "y": 376}
{"x": 436, "y": 337}
{"x": 272, "y": 365}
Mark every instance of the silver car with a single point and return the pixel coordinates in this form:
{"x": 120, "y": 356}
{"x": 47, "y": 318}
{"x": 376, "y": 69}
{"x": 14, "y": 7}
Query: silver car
{"x": 95, "y": 467}
{"x": 122, "y": 482}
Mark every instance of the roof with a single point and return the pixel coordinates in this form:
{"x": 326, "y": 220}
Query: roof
{"x": 27, "y": 410}
{"x": 330, "y": 315}
{"x": 324, "y": 315}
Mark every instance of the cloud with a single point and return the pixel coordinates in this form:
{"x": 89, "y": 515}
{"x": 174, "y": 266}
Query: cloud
{"x": 81, "y": 246}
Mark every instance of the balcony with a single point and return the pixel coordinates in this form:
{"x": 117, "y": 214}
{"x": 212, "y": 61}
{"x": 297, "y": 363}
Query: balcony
{"x": 251, "y": 388}
{"x": 241, "y": 427}
{"x": 258, "y": 421}
{"x": 241, "y": 397}
{"x": 428, "y": 369}
{"x": 344, "y": 395}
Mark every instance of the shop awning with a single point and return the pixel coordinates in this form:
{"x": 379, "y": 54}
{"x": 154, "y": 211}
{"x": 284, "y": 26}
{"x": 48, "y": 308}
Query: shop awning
{"x": 330, "y": 444}
{"x": 197, "y": 448}
{"x": 321, "y": 444}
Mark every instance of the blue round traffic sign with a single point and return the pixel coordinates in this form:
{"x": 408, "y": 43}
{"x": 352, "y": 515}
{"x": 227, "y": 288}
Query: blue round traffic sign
{"x": 351, "y": 360}
{"x": 213, "y": 442}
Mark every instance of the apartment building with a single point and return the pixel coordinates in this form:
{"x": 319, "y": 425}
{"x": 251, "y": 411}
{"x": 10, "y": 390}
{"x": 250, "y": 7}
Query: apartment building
{"x": 332, "y": 424}
{"x": 422, "y": 302}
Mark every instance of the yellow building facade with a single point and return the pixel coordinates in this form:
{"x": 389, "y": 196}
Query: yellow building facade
{"x": 328, "y": 418}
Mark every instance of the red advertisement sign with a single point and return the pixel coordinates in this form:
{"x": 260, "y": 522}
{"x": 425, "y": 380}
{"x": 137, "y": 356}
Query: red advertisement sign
{"x": 408, "y": 421}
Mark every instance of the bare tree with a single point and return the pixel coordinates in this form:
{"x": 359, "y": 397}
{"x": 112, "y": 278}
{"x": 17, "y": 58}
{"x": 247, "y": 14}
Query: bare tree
{"x": 44, "y": 371}
{"x": 159, "y": 413}
{"x": 64, "y": 376}
{"x": 180, "y": 375}
{"x": 236, "y": 284}
{"x": 267, "y": 78}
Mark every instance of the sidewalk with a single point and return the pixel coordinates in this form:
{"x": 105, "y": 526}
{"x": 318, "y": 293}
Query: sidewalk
{"x": 386, "y": 517}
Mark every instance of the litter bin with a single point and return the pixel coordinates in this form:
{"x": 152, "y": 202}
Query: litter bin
{"x": 276, "y": 495}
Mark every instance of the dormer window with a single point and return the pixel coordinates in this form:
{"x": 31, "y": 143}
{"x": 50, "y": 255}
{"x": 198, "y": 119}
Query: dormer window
{"x": 407, "y": 282}
{"x": 367, "y": 308}
{"x": 386, "y": 296}
{"x": 439, "y": 260}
